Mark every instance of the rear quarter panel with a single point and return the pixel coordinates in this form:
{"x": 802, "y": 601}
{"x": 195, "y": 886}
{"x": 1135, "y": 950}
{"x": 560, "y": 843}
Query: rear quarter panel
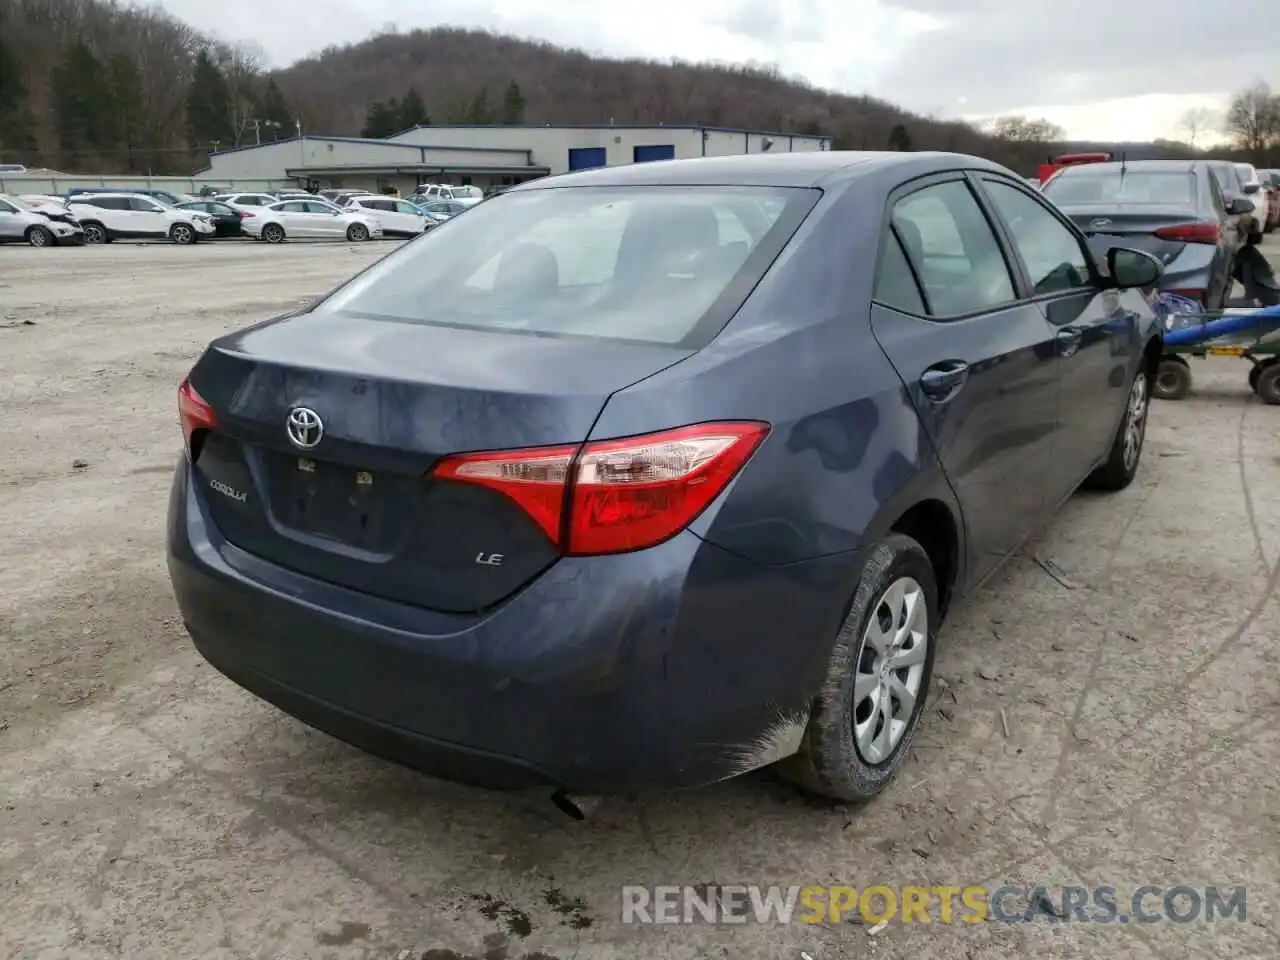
{"x": 846, "y": 455}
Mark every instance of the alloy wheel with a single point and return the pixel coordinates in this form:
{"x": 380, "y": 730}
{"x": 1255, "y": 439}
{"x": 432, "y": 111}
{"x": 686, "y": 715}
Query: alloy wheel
{"x": 1135, "y": 421}
{"x": 890, "y": 670}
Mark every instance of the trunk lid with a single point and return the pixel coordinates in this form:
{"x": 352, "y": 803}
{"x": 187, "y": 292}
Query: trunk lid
{"x": 1132, "y": 225}
{"x": 358, "y": 508}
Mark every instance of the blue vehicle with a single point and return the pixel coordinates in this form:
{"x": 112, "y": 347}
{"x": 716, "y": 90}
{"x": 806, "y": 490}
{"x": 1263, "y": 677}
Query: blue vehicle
{"x": 655, "y": 474}
{"x": 1176, "y": 210}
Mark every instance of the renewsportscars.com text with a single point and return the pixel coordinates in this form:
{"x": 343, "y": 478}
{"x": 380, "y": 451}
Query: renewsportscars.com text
{"x": 934, "y": 904}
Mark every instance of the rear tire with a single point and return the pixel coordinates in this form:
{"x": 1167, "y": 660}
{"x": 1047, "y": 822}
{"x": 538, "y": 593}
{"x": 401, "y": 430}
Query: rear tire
{"x": 273, "y": 233}
{"x": 1267, "y": 386}
{"x": 836, "y": 761}
{"x": 1126, "y": 449}
{"x": 1173, "y": 379}
{"x": 94, "y": 232}
{"x": 39, "y": 237}
{"x": 357, "y": 233}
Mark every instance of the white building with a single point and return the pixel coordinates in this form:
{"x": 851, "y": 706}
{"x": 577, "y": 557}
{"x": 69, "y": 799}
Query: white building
{"x": 485, "y": 156}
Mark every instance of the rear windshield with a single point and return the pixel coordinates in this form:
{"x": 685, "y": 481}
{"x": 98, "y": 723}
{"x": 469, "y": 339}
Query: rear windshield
{"x": 1136, "y": 186}
{"x": 647, "y": 263}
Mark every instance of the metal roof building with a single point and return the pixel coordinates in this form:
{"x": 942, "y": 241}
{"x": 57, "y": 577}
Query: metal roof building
{"x": 485, "y": 155}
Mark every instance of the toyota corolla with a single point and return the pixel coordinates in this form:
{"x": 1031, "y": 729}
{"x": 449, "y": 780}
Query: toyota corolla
{"x": 656, "y": 474}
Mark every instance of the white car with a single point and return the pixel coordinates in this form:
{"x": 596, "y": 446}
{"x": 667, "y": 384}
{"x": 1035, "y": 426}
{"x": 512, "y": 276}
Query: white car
{"x": 308, "y": 219}
{"x": 468, "y": 196}
{"x": 246, "y": 201}
{"x": 1261, "y": 195}
{"x": 23, "y": 222}
{"x": 119, "y": 216}
{"x": 398, "y": 218}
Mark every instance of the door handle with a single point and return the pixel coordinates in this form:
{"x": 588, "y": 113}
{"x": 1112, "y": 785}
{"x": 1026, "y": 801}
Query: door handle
{"x": 942, "y": 380}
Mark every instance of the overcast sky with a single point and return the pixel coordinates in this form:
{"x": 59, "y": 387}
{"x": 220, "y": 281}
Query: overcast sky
{"x": 1102, "y": 69}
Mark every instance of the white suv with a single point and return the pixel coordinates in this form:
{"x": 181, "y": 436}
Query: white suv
{"x": 398, "y": 218}
{"x": 118, "y": 216}
{"x": 468, "y": 195}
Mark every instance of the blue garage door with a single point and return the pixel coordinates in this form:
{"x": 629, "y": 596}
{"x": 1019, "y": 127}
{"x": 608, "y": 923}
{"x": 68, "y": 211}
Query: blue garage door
{"x": 584, "y": 158}
{"x": 661, "y": 151}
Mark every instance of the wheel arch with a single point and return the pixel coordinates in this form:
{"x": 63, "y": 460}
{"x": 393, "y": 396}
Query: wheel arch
{"x": 934, "y": 525}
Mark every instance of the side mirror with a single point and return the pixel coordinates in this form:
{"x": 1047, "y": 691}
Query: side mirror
{"x": 1237, "y": 206}
{"x": 1133, "y": 268}
{"x": 1252, "y": 187}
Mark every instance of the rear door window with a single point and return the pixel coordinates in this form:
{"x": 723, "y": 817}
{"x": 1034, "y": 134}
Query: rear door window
{"x": 953, "y": 249}
{"x": 895, "y": 283}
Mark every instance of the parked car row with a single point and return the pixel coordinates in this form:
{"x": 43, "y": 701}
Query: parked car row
{"x": 1194, "y": 216}
{"x": 101, "y": 215}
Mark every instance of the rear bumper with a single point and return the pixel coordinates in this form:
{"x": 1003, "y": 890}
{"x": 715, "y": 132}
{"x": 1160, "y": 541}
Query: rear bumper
{"x": 675, "y": 666}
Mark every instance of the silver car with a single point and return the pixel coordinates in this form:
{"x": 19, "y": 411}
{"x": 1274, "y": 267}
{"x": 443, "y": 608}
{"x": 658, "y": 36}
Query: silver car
{"x": 21, "y": 222}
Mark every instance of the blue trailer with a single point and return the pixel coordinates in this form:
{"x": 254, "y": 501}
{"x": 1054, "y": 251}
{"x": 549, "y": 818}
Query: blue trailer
{"x": 1253, "y": 334}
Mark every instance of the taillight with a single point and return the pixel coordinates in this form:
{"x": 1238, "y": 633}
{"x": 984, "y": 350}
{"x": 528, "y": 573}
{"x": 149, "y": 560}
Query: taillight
{"x": 194, "y": 413}
{"x": 1209, "y": 232}
{"x": 611, "y": 496}
{"x": 245, "y": 216}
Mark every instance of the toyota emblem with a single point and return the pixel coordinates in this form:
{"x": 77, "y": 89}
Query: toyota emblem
{"x": 304, "y": 426}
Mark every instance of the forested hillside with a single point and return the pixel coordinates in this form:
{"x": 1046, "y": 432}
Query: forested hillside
{"x": 101, "y": 86}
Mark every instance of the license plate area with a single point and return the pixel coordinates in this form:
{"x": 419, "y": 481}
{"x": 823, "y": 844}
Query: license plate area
{"x": 333, "y": 501}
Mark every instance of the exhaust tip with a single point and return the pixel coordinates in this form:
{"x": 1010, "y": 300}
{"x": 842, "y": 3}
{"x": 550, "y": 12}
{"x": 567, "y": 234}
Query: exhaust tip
{"x": 575, "y": 808}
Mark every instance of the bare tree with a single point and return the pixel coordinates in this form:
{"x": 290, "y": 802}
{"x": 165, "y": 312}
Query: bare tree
{"x": 1253, "y": 119}
{"x": 1196, "y": 122}
{"x": 1026, "y": 130}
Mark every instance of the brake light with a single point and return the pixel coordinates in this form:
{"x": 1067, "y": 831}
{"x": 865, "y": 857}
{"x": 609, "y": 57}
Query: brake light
{"x": 246, "y": 216}
{"x": 1209, "y": 232}
{"x": 611, "y": 496}
{"x": 194, "y": 413}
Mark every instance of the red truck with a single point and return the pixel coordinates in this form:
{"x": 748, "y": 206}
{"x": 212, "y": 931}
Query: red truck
{"x": 1055, "y": 164}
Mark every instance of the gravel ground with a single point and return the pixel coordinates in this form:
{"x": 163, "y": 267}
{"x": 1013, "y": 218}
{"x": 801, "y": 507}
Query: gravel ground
{"x": 1108, "y": 716}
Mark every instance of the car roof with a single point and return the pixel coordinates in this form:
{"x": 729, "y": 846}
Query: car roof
{"x": 815, "y": 168}
{"x": 98, "y": 195}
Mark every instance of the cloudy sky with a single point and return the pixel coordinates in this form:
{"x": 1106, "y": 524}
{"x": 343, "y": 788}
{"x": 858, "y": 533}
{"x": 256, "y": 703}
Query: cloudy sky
{"x": 1100, "y": 69}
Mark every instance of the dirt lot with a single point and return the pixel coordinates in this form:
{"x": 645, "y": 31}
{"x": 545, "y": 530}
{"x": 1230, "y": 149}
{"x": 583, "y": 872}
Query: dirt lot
{"x": 1115, "y": 724}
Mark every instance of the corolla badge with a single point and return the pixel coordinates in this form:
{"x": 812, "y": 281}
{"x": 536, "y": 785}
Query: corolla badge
{"x": 304, "y": 426}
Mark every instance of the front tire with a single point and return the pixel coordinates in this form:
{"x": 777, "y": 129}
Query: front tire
{"x": 865, "y": 717}
{"x": 182, "y": 234}
{"x": 357, "y": 233}
{"x": 1126, "y": 450}
{"x": 39, "y": 237}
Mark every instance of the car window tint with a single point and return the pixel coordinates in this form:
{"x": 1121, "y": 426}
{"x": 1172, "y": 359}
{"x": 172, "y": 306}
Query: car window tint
{"x": 312, "y": 207}
{"x": 142, "y": 205}
{"x": 635, "y": 263}
{"x": 1054, "y": 258}
{"x": 7, "y": 208}
{"x": 293, "y": 206}
{"x": 404, "y": 207}
{"x": 895, "y": 284}
{"x": 948, "y": 240}
{"x": 1216, "y": 198}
